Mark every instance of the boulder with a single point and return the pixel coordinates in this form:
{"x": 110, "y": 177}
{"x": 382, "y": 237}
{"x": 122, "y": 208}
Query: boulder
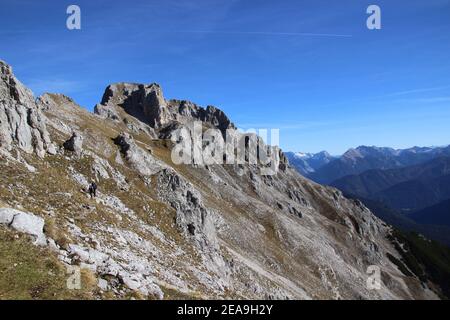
{"x": 106, "y": 112}
{"x": 139, "y": 159}
{"x": 75, "y": 143}
{"x": 7, "y": 216}
{"x": 25, "y": 223}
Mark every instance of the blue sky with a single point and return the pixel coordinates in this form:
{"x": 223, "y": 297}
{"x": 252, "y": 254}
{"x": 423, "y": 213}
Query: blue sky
{"x": 310, "y": 68}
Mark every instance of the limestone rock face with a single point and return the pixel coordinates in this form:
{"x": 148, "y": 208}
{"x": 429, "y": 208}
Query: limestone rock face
{"x": 142, "y": 161}
{"x": 11, "y": 88}
{"x": 75, "y": 143}
{"x": 192, "y": 218}
{"x": 106, "y": 112}
{"x": 147, "y": 104}
{"x": 217, "y": 118}
{"x": 24, "y": 222}
{"x": 21, "y": 121}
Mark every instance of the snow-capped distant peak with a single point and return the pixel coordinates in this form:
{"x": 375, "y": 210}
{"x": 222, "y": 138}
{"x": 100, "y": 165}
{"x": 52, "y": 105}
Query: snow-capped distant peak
{"x": 302, "y": 155}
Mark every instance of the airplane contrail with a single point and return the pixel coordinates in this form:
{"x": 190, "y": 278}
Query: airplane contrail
{"x": 265, "y": 33}
{"x": 262, "y": 33}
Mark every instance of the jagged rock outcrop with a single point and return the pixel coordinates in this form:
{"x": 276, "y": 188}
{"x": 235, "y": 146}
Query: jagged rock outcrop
{"x": 192, "y": 217}
{"x": 75, "y": 143}
{"x": 147, "y": 103}
{"x": 193, "y": 220}
{"x": 106, "y": 112}
{"x": 141, "y": 160}
{"x": 21, "y": 121}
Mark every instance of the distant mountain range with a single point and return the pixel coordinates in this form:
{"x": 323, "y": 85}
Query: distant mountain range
{"x": 408, "y": 188}
{"x": 413, "y": 198}
{"x": 363, "y": 158}
{"x": 308, "y": 163}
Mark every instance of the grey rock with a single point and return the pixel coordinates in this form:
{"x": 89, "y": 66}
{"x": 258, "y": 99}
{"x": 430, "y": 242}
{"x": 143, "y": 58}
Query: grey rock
{"x": 193, "y": 219}
{"x": 147, "y": 104}
{"x": 106, "y": 112}
{"x": 7, "y": 216}
{"x": 138, "y": 158}
{"x": 74, "y": 143}
{"x": 21, "y": 121}
{"x": 103, "y": 284}
{"x": 100, "y": 171}
{"x": 24, "y": 222}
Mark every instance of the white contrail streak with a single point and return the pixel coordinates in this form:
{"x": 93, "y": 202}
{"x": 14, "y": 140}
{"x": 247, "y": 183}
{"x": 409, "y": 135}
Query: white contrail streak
{"x": 257, "y": 33}
{"x": 266, "y": 33}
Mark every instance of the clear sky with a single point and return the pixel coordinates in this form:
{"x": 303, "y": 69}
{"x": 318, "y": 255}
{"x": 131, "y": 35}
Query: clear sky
{"x": 310, "y": 68}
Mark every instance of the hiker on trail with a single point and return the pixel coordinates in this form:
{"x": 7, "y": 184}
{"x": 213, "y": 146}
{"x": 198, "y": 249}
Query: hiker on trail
{"x": 93, "y": 190}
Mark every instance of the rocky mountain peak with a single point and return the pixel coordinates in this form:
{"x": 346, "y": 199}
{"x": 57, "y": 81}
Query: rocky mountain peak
{"x": 374, "y": 150}
{"x": 307, "y": 163}
{"x": 11, "y": 88}
{"x": 21, "y": 121}
{"x": 119, "y": 93}
{"x": 352, "y": 154}
{"x": 322, "y": 155}
{"x": 146, "y": 102}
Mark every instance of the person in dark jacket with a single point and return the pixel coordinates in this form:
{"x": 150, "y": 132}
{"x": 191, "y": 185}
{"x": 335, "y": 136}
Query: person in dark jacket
{"x": 93, "y": 189}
